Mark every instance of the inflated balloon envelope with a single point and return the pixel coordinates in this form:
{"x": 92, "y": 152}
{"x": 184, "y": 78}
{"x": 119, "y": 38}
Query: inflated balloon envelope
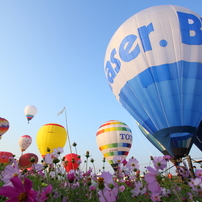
{"x": 5, "y": 157}
{"x": 114, "y": 138}
{"x": 153, "y": 65}
{"x": 4, "y": 126}
{"x": 24, "y": 142}
{"x": 50, "y": 136}
{"x": 30, "y": 111}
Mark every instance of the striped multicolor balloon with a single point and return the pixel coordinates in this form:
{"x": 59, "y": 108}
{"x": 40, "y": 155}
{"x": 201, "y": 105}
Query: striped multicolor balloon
{"x": 30, "y": 111}
{"x": 114, "y": 138}
{"x": 4, "y": 126}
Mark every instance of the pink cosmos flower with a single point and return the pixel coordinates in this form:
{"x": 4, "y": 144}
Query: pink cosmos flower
{"x": 20, "y": 191}
{"x": 110, "y": 191}
{"x": 118, "y": 159}
{"x": 71, "y": 176}
{"x": 132, "y": 164}
{"x": 198, "y": 173}
{"x": 151, "y": 179}
{"x": 38, "y": 167}
{"x": 155, "y": 197}
{"x": 184, "y": 172}
{"x": 123, "y": 170}
{"x": 167, "y": 157}
{"x": 92, "y": 188}
{"x": 124, "y": 162}
{"x": 139, "y": 189}
{"x": 56, "y": 152}
{"x": 166, "y": 192}
{"x": 9, "y": 172}
{"x": 121, "y": 188}
{"x": 48, "y": 158}
{"x": 196, "y": 184}
{"x": 159, "y": 163}
{"x": 107, "y": 195}
{"x": 190, "y": 196}
{"x": 43, "y": 196}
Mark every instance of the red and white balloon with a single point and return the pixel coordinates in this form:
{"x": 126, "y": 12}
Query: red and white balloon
{"x": 24, "y": 142}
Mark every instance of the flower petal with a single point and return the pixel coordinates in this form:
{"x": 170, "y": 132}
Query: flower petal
{"x": 12, "y": 199}
{"x": 27, "y": 184}
{"x": 17, "y": 183}
{"x": 8, "y": 191}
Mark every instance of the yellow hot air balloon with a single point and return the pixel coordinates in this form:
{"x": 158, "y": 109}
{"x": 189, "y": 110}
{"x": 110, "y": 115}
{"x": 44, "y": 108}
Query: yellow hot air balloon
{"x": 51, "y": 136}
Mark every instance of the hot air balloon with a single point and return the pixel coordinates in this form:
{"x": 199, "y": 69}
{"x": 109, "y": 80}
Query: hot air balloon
{"x": 24, "y": 142}
{"x": 25, "y": 160}
{"x": 5, "y": 156}
{"x": 4, "y": 126}
{"x": 154, "y": 69}
{"x": 114, "y": 138}
{"x": 71, "y": 162}
{"x": 30, "y": 111}
{"x": 51, "y": 136}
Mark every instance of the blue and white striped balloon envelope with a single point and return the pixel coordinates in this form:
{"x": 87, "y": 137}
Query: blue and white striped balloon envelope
{"x": 153, "y": 65}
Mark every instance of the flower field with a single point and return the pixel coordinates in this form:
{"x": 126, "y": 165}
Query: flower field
{"x": 50, "y": 181}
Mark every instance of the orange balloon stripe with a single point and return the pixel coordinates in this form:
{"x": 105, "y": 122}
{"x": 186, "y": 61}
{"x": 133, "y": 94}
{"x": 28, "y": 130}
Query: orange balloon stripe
{"x": 111, "y": 123}
{"x": 112, "y": 129}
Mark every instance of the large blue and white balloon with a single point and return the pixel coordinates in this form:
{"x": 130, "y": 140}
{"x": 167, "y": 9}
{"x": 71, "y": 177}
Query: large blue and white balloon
{"x": 153, "y": 65}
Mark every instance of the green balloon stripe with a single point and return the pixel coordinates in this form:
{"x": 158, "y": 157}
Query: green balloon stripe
{"x": 113, "y": 145}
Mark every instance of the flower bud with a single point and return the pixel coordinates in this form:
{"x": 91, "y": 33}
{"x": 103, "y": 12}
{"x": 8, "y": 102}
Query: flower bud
{"x": 32, "y": 159}
{"x": 74, "y": 144}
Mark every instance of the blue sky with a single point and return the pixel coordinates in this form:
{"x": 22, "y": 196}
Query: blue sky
{"x": 52, "y": 56}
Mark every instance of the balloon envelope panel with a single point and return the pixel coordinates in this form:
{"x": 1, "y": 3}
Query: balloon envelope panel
{"x": 153, "y": 66}
{"x": 51, "y": 136}
{"x": 114, "y": 138}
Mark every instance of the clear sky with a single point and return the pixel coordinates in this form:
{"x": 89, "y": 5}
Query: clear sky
{"x": 52, "y": 56}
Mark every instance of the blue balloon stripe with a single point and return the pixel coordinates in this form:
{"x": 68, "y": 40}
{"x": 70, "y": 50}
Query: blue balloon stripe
{"x": 170, "y": 72}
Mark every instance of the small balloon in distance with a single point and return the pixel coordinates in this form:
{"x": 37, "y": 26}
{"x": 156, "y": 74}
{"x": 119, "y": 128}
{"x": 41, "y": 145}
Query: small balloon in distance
{"x": 5, "y": 157}
{"x": 4, "y": 126}
{"x": 30, "y": 111}
{"x": 71, "y": 162}
{"x": 24, "y": 142}
{"x": 26, "y": 160}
